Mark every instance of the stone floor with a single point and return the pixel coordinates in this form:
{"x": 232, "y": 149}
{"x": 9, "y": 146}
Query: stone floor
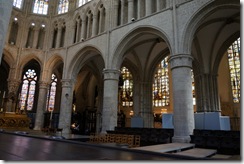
{"x": 36, "y": 141}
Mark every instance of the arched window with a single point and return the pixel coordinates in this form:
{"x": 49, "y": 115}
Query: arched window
{"x": 82, "y": 2}
{"x": 51, "y": 93}
{"x": 193, "y": 87}
{"x": 126, "y": 93}
{"x": 18, "y": 3}
{"x": 234, "y": 67}
{"x": 30, "y": 37}
{"x": 40, "y": 7}
{"x": 41, "y": 36}
{"x": 28, "y": 90}
{"x": 161, "y": 85}
{"x": 63, "y": 6}
{"x": 14, "y": 31}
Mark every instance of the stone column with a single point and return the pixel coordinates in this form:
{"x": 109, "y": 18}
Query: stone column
{"x": 51, "y": 42}
{"x": 169, "y": 3}
{"x": 148, "y": 7}
{"x": 101, "y": 20}
{"x": 88, "y": 30}
{"x": 181, "y": 65}
{"x": 77, "y": 37}
{"x": 94, "y": 25}
{"x": 136, "y": 98}
{"x": 146, "y": 104}
{"x": 83, "y": 27}
{"x": 41, "y": 105}
{"x": 159, "y": 5}
{"x": 58, "y": 39}
{"x": 99, "y": 111}
{"x": 130, "y": 10}
{"x": 207, "y": 93}
{"x": 139, "y": 8}
{"x": 122, "y": 12}
{"x": 115, "y": 13}
{"x": 5, "y": 12}
{"x": 35, "y": 37}
{"x": 110, "y": 99}
{"x": 66, "y": 105}
{"x": 12, "y": 97}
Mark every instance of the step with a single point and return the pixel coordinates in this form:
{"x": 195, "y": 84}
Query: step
{"x": 198, "y": 152}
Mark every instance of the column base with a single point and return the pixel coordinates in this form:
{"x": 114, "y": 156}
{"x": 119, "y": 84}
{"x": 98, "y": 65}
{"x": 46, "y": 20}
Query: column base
{"x": 181, "y": 139}
{"x": 37, "y": 128}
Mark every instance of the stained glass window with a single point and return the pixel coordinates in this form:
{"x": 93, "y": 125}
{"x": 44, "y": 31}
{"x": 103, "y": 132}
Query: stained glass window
{"x": 28, "y": 90}
{"x": 82, "y": 2}
{"x": 18, "y": 3}
{"x": 161, "y": 85}
{"x": 52, "y": 93}
{"x": 40, "y": 7}
{"x": 193, "y": 88}
{"x": 63, "y": 6}
{"x": 234, "y": 67}
{"x": 126, "y": 93}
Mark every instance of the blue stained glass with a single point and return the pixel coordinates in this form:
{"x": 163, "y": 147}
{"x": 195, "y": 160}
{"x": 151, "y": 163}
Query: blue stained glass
{"x": 40, "y": 7}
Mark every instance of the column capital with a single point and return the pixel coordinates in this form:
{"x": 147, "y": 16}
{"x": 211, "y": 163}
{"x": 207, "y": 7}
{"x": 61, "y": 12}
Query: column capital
{"x": 180, "y": 60}
{"x": 67, "y": 83}
{"x": 111, "y": 74}
{"x": 43, "y": 84}
{"x": 13, "y": 87}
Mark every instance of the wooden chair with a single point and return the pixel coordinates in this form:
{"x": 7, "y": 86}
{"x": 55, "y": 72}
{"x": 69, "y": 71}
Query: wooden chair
{"x": 137, "y": 141}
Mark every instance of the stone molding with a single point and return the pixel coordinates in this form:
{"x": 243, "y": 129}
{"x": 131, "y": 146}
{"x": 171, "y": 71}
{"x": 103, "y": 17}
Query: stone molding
{"x": 111, "y": 74}
{"x": 67, "y": 83}
{"x": 180, "y": 60}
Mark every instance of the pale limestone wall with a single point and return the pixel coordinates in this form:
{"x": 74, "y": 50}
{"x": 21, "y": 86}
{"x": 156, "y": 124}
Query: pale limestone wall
{"x": 175, "y": 24}
{"x": 5, "y": 13}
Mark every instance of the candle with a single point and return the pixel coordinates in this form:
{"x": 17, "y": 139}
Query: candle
{"x": 3, "y": 94}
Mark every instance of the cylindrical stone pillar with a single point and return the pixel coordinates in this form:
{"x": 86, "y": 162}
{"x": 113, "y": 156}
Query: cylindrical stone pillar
{"x": 41, "y": 106}
{"x": 181, "y": 65}
{"x": 146, "y": 104}
{"x": 66, "y": 105}
{"x": 110, "y": 99}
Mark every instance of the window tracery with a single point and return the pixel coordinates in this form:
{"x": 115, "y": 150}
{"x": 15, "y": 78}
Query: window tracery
{"x": 52, "y": 93}
{"x": 161, "y": 85}
{"x": 28, "y": 90}
{"x": 63, "y": 6}
{"x": 18, "y": 3}
{"x": 40, "y": 7}
{"x": 126, "y": 92}
{"x": 234, "y": 67}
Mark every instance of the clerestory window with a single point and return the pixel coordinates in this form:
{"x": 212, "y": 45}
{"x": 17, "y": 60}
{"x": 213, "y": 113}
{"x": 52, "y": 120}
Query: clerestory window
{"x": 63, "y": 6}
{"x": 40, "y": 7}
{"x": 18, "y": 3}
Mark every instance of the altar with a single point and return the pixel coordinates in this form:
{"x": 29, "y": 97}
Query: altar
{"x": 13, "y": 120}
